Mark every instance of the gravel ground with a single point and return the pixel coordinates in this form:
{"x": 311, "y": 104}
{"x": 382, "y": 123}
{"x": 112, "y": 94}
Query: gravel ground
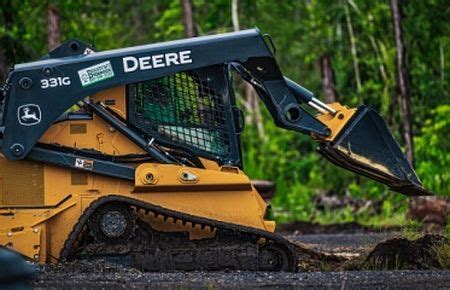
{"x": 252, "y": 280}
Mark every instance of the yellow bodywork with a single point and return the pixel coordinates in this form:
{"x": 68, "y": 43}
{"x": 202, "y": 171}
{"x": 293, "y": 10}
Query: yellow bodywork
{"x": 40, "y": 204}
{"x": 337, "y": 121}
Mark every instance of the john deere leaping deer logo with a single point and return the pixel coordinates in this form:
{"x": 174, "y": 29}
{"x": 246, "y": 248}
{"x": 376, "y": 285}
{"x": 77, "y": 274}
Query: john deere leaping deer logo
{"x": 29, "y": 115}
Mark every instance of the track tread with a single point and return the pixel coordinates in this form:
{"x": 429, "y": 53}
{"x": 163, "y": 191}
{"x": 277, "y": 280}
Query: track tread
{"x": 234, "y": 228}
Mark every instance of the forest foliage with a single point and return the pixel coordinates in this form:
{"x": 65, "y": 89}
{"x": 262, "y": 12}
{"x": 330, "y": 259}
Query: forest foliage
{"x": 356, "y": 36}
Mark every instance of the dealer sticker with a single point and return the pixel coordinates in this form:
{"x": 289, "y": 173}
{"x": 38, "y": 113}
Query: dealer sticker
{"x": 84, "y": 164}
{"x": 96, "y": 73}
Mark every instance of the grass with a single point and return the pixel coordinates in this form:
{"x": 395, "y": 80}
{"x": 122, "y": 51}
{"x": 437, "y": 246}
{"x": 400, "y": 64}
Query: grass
{"x": 443, "y": 255}
{"x": 380, "y": 265}
{"x": 412, "y": 230}
{"x": 447, "y": 228}
{"x": 443, "y": 252}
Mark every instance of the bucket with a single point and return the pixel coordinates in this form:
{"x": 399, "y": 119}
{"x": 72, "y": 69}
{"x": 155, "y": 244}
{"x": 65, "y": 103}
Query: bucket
{"x": 366, "y": 146}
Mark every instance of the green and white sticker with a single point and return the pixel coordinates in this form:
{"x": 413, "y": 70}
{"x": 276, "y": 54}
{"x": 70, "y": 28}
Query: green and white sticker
{"x": 96, "y": 73}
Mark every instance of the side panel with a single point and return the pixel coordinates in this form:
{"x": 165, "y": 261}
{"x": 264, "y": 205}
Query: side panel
{"x": 94, "y": 134}
{"x": 22, "y": 183}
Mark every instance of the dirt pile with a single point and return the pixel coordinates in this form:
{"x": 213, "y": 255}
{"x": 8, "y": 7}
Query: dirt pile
{"x": 430, "y": 252}
{"x": 426, "y": 253}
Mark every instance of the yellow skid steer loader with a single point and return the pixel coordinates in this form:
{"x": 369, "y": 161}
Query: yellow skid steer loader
{"x": 134, "y": 154}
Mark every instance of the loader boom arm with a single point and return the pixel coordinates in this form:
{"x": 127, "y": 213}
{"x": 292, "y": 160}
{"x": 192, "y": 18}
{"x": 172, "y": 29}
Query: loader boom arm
{"x": 37, "y": 93}
{"x": 51, "y": 86}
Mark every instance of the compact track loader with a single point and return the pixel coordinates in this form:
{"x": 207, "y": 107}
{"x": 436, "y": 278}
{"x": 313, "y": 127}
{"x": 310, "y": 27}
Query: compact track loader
{"x": 134, "y": 154}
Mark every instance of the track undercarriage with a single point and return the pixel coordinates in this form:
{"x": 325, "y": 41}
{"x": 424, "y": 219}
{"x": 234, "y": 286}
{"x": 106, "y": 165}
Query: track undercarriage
{"x": 117, "y": 230}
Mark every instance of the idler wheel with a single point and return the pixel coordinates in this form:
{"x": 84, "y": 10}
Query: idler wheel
{"x": 272, "y": 258}
{"x": 112, "y": 223}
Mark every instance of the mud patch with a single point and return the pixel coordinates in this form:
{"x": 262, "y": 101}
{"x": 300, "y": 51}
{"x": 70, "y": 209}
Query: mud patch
{"x": 313, "y": 261}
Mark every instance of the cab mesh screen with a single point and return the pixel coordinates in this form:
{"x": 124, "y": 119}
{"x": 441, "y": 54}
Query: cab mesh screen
{"x": 182, "y": 109}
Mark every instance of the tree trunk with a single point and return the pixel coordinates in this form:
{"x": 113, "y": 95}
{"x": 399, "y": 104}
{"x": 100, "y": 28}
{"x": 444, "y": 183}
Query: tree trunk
{"x": 8, "y": 15}
{"x": 7, "y": 46}
{"x": 2, "y": 66}
{"x": 442, "y": 62}
{"x": 353, "y": 50}
{"x": 235, "y": 14}
{"x": 328, "y": 80}
{"x": 53, "y": 27}
{"x": 251, "y": 97}
{"x": 138, "y": 21}
{"x": 403, "y": 85}
{"x": 188, "y": 18}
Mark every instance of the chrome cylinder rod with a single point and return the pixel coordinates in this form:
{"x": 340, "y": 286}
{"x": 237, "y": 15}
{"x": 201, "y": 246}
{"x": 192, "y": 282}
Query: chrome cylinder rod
{"x": 317, "y": 108}
{"x": 308, "y": 97}
{"x": 322, "y": 105}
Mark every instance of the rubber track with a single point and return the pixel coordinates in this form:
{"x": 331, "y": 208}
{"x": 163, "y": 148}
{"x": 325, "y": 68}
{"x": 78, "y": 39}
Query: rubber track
{"x": 82, "y": 221}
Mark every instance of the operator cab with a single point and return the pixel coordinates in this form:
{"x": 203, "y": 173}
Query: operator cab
{"x": 191, "y": 110}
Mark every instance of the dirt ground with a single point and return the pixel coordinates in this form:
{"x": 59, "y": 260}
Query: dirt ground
{"x": 332, "y": 258}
